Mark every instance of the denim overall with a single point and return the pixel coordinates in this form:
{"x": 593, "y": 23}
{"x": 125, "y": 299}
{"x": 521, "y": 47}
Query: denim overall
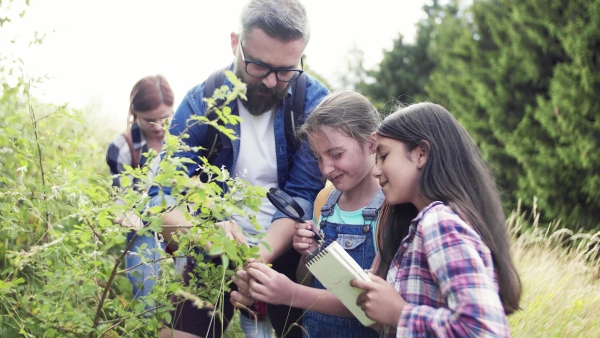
{"x": 357, "y": 240}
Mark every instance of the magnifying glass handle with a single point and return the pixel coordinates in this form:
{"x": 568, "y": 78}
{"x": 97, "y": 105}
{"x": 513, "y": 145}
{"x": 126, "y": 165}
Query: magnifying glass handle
{"x": 317, "y": 236}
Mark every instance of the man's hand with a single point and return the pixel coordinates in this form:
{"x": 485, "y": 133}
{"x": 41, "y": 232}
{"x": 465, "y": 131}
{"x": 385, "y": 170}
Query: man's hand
{"x": 232, "y": 231}
{"x": 380, "y": 301}
{"x": 242, "y": 295}
{"x": 175, "y": 221}
{"x": 130, "y": 220}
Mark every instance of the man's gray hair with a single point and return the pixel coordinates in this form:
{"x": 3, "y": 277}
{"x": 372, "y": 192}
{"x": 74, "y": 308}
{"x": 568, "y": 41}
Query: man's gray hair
{"x": 285, "y": 20}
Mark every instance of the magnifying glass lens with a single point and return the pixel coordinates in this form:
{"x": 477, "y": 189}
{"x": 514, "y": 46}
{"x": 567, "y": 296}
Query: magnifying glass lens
{"x": 284, "y": 206}
{"x": 288, "y": 206}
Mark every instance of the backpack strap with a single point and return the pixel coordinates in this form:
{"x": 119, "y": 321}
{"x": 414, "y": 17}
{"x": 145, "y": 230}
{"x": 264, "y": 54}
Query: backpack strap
{"x": 135, "y": 153}
{"x": 327, "y": 209}
{"x": 322, "y": 197}
{"x": 294, "y": 113}
{"x": 215, "y": 80}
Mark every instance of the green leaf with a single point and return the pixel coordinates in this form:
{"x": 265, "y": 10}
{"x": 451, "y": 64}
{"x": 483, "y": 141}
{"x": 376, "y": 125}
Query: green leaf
{"x": 49, "y": 333}
{"x": 216, "y": 250}
{"x": 225, "y": 260}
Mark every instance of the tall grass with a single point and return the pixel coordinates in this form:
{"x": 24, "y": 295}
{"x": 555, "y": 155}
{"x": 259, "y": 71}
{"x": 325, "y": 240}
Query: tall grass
{"x": 559, "y": 270}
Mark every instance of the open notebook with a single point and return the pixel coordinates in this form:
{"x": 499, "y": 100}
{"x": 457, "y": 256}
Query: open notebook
{"x": 334, "y": 268}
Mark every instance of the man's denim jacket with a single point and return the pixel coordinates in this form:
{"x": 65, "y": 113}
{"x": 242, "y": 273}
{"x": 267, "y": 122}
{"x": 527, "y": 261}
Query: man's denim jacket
{"x": 302, "y": 180}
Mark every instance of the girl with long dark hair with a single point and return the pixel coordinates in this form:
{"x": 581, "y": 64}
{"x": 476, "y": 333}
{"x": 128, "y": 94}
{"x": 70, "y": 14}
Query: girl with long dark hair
{"x": 448, "y": 271}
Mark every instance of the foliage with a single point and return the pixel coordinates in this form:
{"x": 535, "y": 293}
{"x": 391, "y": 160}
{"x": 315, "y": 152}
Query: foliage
{"x": 61, "y": 253}
{"x": 561, "y": 287}
{"x": 522, "y": 77}
{"x": 460, "y": 82}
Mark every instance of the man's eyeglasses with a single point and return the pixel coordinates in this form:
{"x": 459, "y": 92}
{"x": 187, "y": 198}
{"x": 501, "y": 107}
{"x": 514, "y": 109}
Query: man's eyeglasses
{"x": 260, "y": 70}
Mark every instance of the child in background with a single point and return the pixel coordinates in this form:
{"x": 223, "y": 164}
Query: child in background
{"x": 151, "y": 102}
{"x": 339, "y": 132}
{"x": 449, "y": 270}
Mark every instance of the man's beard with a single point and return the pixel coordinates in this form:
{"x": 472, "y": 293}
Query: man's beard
{"x": 258, "y": 104}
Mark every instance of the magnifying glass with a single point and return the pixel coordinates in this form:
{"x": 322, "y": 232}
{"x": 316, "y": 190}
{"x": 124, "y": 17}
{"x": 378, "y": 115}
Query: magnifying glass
{"x": 286, "y": 204}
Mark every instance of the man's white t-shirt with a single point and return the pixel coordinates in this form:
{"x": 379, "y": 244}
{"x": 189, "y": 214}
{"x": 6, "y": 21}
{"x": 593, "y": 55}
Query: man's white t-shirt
{"x": 257, "y": 164}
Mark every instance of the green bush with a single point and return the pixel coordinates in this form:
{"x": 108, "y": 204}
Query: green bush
{"x": 522, "y": 77}
{"x": 61, "y": 255}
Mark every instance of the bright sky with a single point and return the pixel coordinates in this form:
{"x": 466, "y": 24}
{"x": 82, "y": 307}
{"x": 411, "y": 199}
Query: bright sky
{"x": 96, "y": 50}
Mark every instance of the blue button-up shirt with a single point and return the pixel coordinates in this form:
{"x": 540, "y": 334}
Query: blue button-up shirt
{"x": 298, "y": 174}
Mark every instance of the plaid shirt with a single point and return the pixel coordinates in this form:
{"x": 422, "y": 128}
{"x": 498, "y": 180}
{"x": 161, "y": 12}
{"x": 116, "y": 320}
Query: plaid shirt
{"x": 118, "y": 153}
{"x": 444, "y": 271}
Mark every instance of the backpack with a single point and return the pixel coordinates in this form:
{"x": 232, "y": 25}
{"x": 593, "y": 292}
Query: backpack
{"x": 321, "y": 199}
{"x": 293, "y": 114}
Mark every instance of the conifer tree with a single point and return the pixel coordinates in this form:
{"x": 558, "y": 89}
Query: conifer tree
{"x": 521, "y": 76}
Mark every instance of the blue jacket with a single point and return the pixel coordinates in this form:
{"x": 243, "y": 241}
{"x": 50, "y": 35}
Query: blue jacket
{"x": 302, "y": 179}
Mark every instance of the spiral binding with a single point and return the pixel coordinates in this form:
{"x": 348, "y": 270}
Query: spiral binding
{"x": 318, "y": 253}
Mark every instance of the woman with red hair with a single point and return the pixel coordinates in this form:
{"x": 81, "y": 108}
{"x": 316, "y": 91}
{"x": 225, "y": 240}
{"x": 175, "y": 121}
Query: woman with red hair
{"x": 151, "y": 103}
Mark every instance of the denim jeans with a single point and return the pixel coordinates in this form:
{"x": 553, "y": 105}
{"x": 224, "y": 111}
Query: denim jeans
{"x": 143, "y": 276}
{"x": 256, "y": 330}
